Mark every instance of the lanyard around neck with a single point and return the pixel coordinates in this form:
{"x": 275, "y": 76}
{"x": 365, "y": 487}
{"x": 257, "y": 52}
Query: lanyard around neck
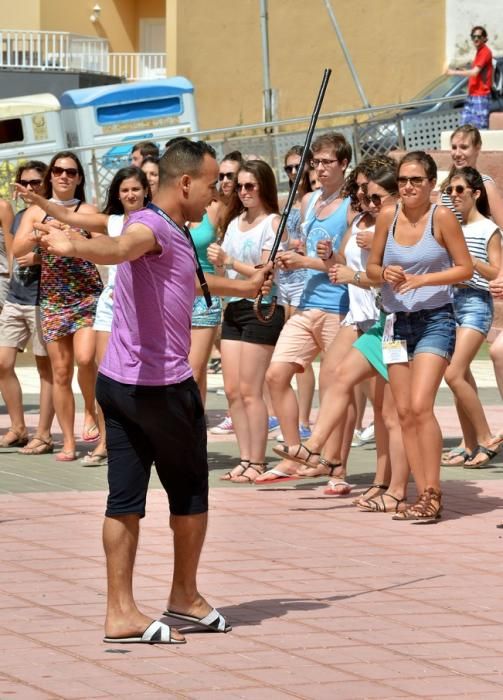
{"x": 185, "y": 231}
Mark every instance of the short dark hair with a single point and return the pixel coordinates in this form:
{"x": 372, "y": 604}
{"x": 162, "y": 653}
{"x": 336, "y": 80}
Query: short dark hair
{"x": 184, "y": 157}
{"x": 150, "y": 159}
{"x": 337, "y": 142}
{"x": 113, "y": 204}
{"x": 423, "y": 159}
{"x": 37, "y": 165}
{"x": 474, "y": 180}
{"x": 482, "y": 30}
{"x": 146, "y": 148}
{"x": 175, "y": 139}
{"x": 235, "y": 156}
{"x": 80, "y": 190}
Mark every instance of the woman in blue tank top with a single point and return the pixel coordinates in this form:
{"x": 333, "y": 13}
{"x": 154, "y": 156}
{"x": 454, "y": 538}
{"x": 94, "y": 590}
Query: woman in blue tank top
{"x": 418, "y": 253}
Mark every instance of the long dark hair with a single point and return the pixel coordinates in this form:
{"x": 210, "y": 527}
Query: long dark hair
{"x": 113, "y": 204}
{"x": 474, "y": 180}
{"x": 47, "y": 183}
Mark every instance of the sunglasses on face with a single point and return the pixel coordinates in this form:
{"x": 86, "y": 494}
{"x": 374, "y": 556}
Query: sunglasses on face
{"x": 458, "y": 189}
{"x": 290, "y": 168}
{"x": 71, "y": 172}
{"x": 247, "y": 186}
{"x": 415, "y": 181}
{"x": 476, "y": 37}
{"x": 30, "y": 183}
{"x": 376, "y": 199}
{"x": 224, "y": 176}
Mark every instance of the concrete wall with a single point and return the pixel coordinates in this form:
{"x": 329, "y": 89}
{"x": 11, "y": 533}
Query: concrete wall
{"x": 397, "y": 48}
{"x": 461, "y": 16}
{"x": 118, "y": 21}
{"x": 17, "y": 16}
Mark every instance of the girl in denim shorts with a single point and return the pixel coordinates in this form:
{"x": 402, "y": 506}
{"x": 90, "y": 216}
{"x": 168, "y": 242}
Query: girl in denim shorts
{"x": 418, "y": 253}
{"x": 473, "y": 308}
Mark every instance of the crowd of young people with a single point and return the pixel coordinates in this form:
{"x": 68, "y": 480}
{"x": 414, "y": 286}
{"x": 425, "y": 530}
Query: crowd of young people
{"x": 385, "y": 272}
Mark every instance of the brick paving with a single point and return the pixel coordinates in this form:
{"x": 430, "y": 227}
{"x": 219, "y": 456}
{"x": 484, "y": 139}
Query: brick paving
{"x": 326, "y": 602}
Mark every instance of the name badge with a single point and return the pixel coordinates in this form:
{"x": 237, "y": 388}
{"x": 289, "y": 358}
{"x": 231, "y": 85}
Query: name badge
{"x": 393, "y": 351}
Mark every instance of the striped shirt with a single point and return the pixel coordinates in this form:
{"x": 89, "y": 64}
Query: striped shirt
{"x": 427, "y": 255}
{"x": 477, "y": 236}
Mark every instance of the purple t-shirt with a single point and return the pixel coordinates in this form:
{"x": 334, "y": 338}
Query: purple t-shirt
{"x": 153, "y": 299}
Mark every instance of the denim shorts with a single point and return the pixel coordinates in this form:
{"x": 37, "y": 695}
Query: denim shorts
{"x": 473, "y": 308}
{"x": 204, "y": 317}
{"x": 428, "y": 330}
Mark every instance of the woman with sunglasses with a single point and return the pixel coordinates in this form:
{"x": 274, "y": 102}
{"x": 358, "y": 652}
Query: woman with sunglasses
{"x": 20, "y": 322}
{"x": 473, "y": 308}
{"x": 418, "y": 253}
{"x": 376, "y": 187}
{"x": 69, "y": 292}
{"x": 466, "y": 144}
{"x": 129, "y": 191}
{"x": 247, "y": 344}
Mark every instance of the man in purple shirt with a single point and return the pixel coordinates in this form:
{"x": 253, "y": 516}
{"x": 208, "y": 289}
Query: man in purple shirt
{"x": 151, "y": 403}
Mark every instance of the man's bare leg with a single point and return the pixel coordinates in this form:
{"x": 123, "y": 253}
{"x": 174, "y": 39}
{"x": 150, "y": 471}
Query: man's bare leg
{"x": 120, "y": 541}
{"x": 189, "y": 532}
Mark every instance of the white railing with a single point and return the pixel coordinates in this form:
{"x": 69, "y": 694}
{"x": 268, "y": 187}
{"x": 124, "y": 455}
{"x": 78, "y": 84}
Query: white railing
{"x": 137, "y": 66}
{"x": 52, "y": 51}
{"x": 64, "y": 51}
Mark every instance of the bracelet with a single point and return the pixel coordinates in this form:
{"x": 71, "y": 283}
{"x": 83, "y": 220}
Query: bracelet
{"x": 230, "y": 264}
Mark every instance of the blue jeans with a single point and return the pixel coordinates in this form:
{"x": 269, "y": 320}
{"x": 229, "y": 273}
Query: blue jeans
{"x": 473, "y": 308}
{"x": 428, "y": 330}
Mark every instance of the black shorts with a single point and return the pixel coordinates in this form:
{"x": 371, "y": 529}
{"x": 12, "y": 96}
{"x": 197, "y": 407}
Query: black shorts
{"x": 161, "y": 424}
{"x": 240, "y": 323}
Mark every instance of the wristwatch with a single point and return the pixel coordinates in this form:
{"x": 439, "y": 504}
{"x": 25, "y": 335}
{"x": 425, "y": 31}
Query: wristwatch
{"x": 356, "y": 278}
{"x": 229, "y": 265}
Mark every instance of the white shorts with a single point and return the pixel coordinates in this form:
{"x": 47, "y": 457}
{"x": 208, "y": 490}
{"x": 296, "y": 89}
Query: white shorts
{"x": 104, "y": 311}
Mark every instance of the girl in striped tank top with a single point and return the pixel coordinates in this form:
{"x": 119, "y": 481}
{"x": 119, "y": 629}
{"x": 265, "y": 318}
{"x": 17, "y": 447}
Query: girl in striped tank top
{"x": 417, "y": 254}
{"x": 473, "y": 308}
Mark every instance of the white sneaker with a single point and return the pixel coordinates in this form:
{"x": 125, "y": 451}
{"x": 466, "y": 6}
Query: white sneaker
{"x": 367, "y": 434}
{"x": 225, "y": 427}
{"x": 357, "y": 439}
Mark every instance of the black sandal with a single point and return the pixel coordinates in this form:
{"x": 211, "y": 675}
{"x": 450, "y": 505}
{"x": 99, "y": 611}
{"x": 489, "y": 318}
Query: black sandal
{"x": 378, "y": 505}
{"x": 258, "y": 467}
{"x": 243, "y": 465}
{"x": 284, "y": 451}
{"x": 361, "y": 499}
{"x": 311, "y": 471}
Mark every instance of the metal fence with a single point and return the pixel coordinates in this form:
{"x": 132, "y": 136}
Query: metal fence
{"x": 270, "y": 141}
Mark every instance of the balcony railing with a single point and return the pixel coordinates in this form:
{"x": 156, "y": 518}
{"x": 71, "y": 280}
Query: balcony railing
{"x": 63, "y": 51}
{"x": 137, "y": 66}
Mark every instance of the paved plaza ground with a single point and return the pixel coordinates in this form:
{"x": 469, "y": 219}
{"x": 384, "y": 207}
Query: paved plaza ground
{"x": 325, "y": 601}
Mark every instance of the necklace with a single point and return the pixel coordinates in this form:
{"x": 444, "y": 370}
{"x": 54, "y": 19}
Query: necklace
{"x": 325, "y": 202}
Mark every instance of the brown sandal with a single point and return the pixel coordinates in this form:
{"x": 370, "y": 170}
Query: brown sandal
{"x": 20, "y": 439}
{"x": 258, "y": 467}
{"x": 37, "y": 446}
{"x": 427, "y": 508}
